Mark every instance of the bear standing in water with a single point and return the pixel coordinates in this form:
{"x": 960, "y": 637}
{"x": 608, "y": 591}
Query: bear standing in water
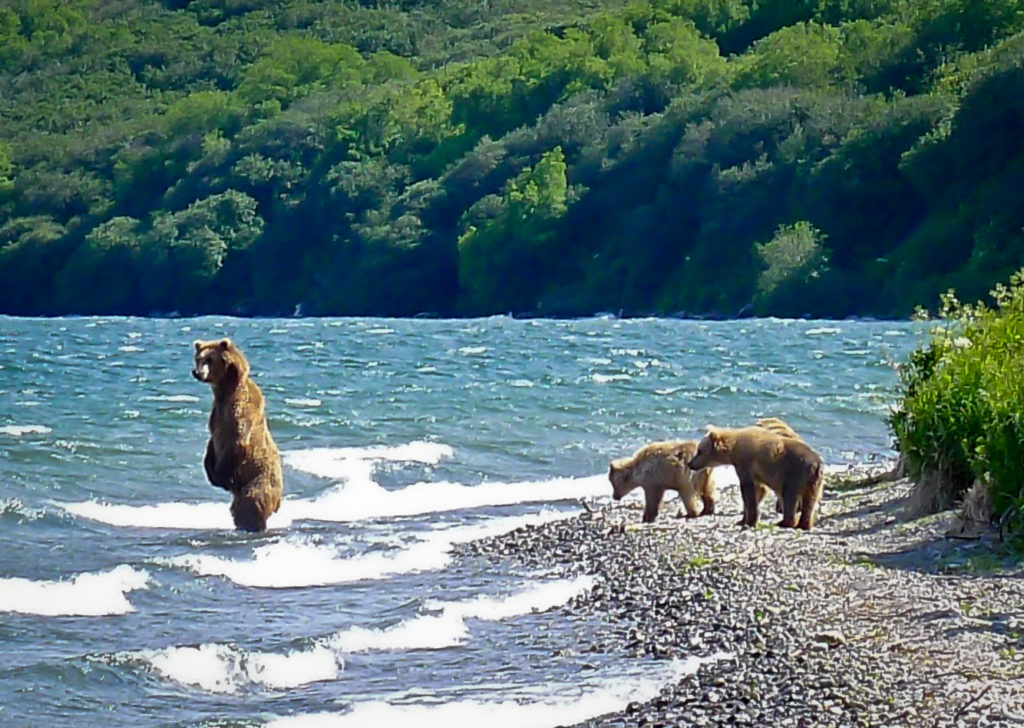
{"x": 241, "y": 456}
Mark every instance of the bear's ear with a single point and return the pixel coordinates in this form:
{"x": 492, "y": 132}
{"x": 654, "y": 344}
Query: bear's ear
{"x": 198, "y": 344}
{"x": 224, "y": 344}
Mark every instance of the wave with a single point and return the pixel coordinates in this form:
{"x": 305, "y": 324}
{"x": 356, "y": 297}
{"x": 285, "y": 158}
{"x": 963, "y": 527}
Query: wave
{"x": 449, "y": 628}
{"x": 362, "y": 499}
{"x": 589, "y": 700}
{"x": 199, "y": 516}
{"x": 87, "y": 595}
{"x": 358, "y": 500}
{"x": 356, "y": 462}
{"x": 303, "y": 401}
{"x": 22, "y": 430}
{"x": 171, "y": 398}
{"x": 221, "y": 668}
{"x": 293, "y": 563}
{"x": 17, "y": 508}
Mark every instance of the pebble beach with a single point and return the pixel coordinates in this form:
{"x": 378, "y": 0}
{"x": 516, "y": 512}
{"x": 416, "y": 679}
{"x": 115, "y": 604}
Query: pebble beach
{"x": 871, "y": 619}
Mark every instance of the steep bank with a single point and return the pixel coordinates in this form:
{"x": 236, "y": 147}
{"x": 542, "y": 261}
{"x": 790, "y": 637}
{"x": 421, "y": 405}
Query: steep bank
{"x": 869, "y": 620}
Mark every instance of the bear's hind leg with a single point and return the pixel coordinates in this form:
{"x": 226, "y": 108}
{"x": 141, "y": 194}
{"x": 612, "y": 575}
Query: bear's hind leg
{"x": 247, "y": 514}
{"x": 789, "y": 502}
{"x": 809, "y": 506}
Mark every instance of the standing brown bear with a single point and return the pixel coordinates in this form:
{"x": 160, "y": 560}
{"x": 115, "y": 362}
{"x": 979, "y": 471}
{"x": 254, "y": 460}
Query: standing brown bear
{"x": 241, "y": 456}
{"x": 764, "y": 458}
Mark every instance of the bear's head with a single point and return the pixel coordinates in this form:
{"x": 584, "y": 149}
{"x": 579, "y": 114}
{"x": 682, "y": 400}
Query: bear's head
{"x": 218, "y": 361}
{"x": 711, "y": 451}
{"x": 620, "y": 473}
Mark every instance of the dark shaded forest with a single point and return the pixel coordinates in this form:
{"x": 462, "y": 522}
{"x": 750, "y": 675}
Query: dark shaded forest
{"x": 468, "y": 157}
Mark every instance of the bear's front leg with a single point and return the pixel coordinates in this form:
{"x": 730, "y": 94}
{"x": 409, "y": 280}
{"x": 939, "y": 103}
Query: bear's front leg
{"x": 652, "y": 502}
{"x": 213, "y": 473}
{"x": 749, "y": 494}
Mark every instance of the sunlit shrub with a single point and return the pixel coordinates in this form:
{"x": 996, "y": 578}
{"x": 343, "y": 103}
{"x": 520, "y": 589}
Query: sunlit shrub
{"x": 961, "y": 417}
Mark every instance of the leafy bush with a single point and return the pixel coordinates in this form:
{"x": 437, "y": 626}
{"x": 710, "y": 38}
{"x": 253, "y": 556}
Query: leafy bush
{"x": 961, "y": 417}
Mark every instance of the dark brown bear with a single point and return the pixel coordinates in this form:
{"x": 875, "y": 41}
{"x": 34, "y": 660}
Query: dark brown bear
{"x": 241, "y": 456}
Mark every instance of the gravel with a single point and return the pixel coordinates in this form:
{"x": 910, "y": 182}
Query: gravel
{"x": 870, "y": 619}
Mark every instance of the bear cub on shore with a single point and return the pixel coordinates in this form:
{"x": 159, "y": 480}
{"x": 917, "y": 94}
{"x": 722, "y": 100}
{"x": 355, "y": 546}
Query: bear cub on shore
{"x": 762, "y": 458}
{"x": 241, "y": 456}
{"x": 661, "y": 466}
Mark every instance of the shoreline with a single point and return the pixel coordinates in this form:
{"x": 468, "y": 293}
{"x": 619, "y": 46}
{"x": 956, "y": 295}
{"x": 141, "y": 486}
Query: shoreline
{"x": 870, "y": 619}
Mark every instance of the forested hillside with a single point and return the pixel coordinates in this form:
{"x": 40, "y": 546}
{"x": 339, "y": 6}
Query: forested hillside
{"x": 544, "y": 157}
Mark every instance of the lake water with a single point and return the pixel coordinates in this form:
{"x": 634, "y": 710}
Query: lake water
{"x": 127, "y": 599}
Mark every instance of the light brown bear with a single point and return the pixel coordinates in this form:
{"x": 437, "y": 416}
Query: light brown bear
{"x": 241, "y": 456}
{"x": 661, "y": 466}
{"x": 764, "y": 458}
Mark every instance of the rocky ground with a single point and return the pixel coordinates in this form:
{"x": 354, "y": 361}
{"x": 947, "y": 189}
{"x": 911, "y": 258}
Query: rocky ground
{"x": 871, "y": 619}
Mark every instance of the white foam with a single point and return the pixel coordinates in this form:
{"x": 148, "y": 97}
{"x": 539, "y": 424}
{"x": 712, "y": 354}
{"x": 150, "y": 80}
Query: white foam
{"x": 87, "y": 595}
{"x": 361, "y": 498}
{"x": 186, "y": 516}
{"x": 224, "y": 669}
{"x": 292, "y": 563}
{"x": 606, "y": 378}
{"x": 303, "y": 401}
{"x": 171, "y": 398}
{"x": 349, "y": 462}
{"x": 561, "y": 704}
{"x": 449, "y": 629}
{"x": 823, "y": 330}
{"x": 21, "y": 430}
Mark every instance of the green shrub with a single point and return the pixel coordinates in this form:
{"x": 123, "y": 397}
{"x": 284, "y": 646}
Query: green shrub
{"x": 961, "y": 417}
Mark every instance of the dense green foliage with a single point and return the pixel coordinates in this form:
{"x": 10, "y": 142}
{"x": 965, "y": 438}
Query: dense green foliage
{"x": 960, "y": 417}
{"x": 785, "y": 157}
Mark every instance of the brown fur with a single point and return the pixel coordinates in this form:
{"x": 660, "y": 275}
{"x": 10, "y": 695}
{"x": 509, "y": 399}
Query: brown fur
{"x": 764, "y": 458}
{"x": 241, "y": 456}
{"x": 661, "y": 466}
{"x": 780, "y": 428}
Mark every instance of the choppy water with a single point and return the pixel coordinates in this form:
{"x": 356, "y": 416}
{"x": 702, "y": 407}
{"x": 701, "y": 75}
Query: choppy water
{"x": 126, "y": 598}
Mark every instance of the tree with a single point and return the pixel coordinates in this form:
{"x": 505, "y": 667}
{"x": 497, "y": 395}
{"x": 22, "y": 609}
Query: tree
{"x": 499, "y": 256}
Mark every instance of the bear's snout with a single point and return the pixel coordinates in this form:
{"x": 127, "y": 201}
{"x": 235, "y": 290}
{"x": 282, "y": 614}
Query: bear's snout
{"x": 202, "y": 372}
{"x": 692, "y": 464}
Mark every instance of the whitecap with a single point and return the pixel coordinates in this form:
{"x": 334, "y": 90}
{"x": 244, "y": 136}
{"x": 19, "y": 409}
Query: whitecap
{"x": 361, "y": 498}
{"x": 449, "y": 628}
{"x": 605, "y": 378}
{"x": 22, "y": 430}
{"x": 199, "y": 516}
{"x": 823, "y": 330}
{"x": 171, "y": 398}
{"x": 353, "y": 462}
{"x": 17, "y": 507}
{"x": 222, "y": 668}
{"x": 295, "y": 562}
{"x": 86, "y": 595}
{"x": 558, "y": 704}
{"x": 303, "y": 401}
{"x": 129, "y": 349}
{"x": 472, "y": 350}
